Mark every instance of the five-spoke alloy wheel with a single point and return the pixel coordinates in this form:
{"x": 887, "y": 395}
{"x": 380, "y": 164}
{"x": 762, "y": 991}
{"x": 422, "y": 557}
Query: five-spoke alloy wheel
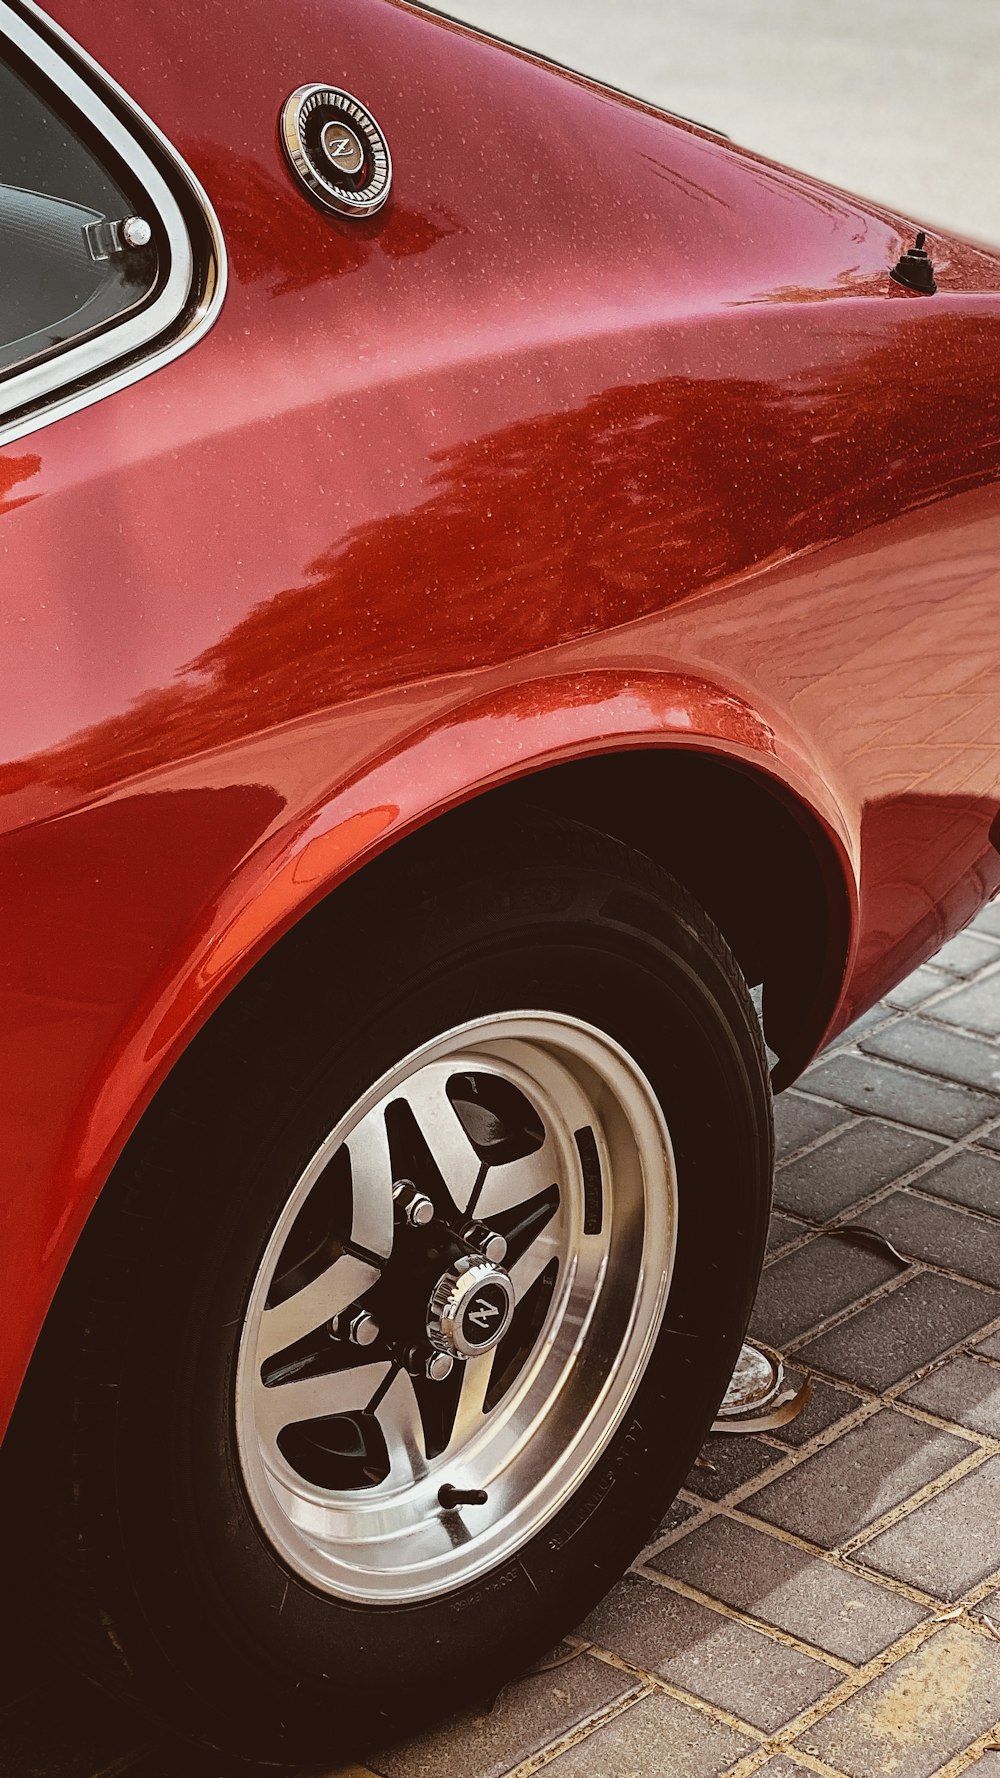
{"x": 389, "y": 1363}
{"x": 411, "y": 1300}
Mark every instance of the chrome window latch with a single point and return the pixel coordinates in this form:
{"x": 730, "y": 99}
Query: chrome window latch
{"x": 107, "y": 239}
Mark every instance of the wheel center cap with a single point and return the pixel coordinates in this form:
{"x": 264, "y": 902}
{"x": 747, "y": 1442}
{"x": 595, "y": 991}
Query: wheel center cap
{"x": 470, "y": 1309}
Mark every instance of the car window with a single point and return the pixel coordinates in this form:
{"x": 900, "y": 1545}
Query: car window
{"x": 77, "y": 251}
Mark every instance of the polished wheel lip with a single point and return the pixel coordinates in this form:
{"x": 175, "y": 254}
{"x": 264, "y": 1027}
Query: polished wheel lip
{"x": 532, "y": 1451}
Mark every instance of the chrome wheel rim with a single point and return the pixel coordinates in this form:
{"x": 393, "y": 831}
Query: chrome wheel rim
{"x": 528, "y": 1131}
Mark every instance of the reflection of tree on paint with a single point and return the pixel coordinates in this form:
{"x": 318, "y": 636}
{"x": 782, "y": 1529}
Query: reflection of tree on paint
{"x": 292, "y": 244}
{"x": 558, "y": 527}
{"x": 14, "y": 470}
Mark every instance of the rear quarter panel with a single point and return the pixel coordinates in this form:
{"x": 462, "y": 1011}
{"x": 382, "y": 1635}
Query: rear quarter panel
{"x": 603, "y": 432}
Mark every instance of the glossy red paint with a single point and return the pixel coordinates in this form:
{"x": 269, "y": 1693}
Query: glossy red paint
{"x": 605, "y": 434}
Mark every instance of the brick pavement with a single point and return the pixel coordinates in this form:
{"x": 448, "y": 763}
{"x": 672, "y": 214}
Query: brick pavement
{"x": 819, "y": 1598}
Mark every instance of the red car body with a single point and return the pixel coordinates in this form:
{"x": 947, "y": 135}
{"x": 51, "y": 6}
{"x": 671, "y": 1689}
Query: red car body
{"x": 605, "y": 439}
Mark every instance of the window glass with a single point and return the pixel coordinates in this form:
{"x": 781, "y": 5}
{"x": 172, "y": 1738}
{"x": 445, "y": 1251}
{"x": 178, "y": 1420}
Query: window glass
{"x": 68, "y": 267}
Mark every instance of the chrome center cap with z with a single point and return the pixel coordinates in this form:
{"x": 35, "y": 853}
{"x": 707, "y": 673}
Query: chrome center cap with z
{"x": 336, "y": 150}
{"x": 470, "y": 1309}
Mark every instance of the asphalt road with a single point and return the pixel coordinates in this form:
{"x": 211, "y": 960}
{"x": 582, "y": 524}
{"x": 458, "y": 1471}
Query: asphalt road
{"x": 896, "y": 99}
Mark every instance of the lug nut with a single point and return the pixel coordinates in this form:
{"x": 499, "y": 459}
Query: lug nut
{"x": 412, "y": 1205}
{"x": 491, "y": 1244}
{"x": 433, "y": 1365}
{"x": 355, "y": 1325}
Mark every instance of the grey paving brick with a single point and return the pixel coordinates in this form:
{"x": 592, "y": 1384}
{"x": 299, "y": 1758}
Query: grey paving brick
{"x": 784, "y": 1229}
{"x": 727, "y": 1461}
{"x": 527, "y": 1715}
{"x": 878, "y": 1014}
{"x": 838, "y": 1612}
{"x": 976, "y": 1007}
{"x": 988, "y": 919}
{"x": 730, "y": 1664}
{"x": 991, "y": 1346}
{"x": 967, "y": 1177}
{"x": 965, "y": 954}
{"x": 887, "y": 1091}
{"x": 852, "y": 1165}
{"x": 948, "y": 1545}
{"x": 798, "y": 1121}
{"x": 825, "y": 1407}
{"x": 965, "y": 1391}
{"x": 783, "y": 1768}
{"x": 925, "y": 1229}
{"x": 902, "y": 1331}
{"x": 810, "y": 1284}
{"x": 658, "y": 1735}
{"x": 839, "y": 1490}
{"x": 916, "y": 988}
{"x": 931, "y": 1049}
{"x": 917, "y": 1714}
{"x": 677, "y": 1513}
{"x": 986, "y": 1767}
{"x": 991, "y": 1140}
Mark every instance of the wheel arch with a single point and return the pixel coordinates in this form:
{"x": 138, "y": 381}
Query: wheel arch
{"x": 774, "y": 865}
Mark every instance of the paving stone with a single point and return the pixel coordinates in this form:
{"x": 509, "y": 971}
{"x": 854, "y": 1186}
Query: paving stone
{"x": 901, "y": 1332}
{"x": 878, "y": 1014}
{"x": 948, "y": 1545}
{"x": 812, "y": 1283}
{"x": 527, "y": 1715}
{"x": 734, "y": 1458}
{"x": 976, "y": 1007}
{"x": 66, "y": 1730}
{"x": 886, "y": 1091}
{"x": 852, "y": 1165}
{"x": 991, "y": 1140}
{"x": 839, "y": 1490}
{"x": 677, "y": 1513}
{"x": 783, "y": 1768}
{"x": 658, "y": 1735}
{"x": 730, "y": 1664}
{"x": 918, "y": 1714}
{"x": 784, "y": 1229}
{"x": 990, "y": 1347}
{"x": 798, "y": 1121}
{"x": 916, "y": 988}
{"x": 967, "y": 1177}
{"x": 931, "y": 1049}
{"x": 986, "y": 1767}
{"x": 965, "y": 954}
{"x": 825, "y": 1407}
{"x": 965, "y": 1391}
{"x": 836, "y": 1611}
{"x": 935, "y": 1232}
{"x": 988, "y": 919}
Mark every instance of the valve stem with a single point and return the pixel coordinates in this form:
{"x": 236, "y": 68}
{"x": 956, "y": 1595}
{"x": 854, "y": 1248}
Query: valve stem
{"x": 450, "y": 1497}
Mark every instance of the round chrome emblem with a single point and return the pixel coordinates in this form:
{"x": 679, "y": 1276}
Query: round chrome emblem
{"x": 336, "y": 150}
{"x": 470, "y": 1309}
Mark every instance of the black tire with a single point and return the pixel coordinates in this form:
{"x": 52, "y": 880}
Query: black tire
{"x": 147, "y": 1546}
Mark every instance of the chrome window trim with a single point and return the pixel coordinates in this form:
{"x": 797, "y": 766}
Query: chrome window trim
{"x": 41, "y": 383}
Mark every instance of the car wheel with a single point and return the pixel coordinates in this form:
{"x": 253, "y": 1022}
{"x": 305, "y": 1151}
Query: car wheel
{"x": 410, "y": 1301}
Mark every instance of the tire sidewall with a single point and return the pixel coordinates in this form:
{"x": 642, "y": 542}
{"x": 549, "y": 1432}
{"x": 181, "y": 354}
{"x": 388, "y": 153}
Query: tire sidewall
{"x": 590, "y": 943}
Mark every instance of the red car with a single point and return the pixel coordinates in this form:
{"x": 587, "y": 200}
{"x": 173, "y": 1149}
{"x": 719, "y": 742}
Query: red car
{"x": 492, "y": 575}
